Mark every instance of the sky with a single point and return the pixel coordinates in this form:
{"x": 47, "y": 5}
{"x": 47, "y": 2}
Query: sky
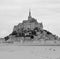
{"x": 13, "y": 12}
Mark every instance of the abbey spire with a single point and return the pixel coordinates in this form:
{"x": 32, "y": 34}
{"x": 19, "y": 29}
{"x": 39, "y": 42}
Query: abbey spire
{"x": 29, "y": 17}
{"x": 29, "y": 13}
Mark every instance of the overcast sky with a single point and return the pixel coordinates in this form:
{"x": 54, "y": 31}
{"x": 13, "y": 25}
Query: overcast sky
{"x": 13, "y": 12}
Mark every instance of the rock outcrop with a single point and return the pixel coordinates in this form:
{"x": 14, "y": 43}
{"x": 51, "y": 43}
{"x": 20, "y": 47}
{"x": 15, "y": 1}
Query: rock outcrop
{"x": 30, "y": 30}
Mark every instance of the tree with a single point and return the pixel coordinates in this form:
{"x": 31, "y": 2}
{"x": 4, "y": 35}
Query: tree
{"x": 14, "y": 33}
{"x": 6, "y": 38}
{"x": 49, "y": 33}
{"x": 31, "y": 36}
{"x": 33, "y": 32}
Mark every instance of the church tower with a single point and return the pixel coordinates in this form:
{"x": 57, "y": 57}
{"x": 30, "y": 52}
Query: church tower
{"x": 29, "y": 17}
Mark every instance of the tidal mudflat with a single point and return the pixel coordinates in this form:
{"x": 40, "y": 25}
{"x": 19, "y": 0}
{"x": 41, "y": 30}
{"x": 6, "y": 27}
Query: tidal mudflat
{"x": 29, "y": 52}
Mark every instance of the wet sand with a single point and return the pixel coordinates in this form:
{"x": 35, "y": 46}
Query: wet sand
{"x": 29, "y": 52}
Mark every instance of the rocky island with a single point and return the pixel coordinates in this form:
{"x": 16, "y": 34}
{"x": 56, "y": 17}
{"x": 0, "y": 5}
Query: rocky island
{"x": 31, "y": 32}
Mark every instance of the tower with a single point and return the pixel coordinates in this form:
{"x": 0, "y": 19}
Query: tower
{"x": 29, "y": 17}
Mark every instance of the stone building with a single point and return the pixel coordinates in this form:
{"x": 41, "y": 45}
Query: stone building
{"x": 30, "y": 30}
{"x": 31, "y": 23}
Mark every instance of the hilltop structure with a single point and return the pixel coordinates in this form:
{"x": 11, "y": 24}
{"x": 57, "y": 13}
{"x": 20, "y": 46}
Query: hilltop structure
{"x": 30, "y": 30}
{"x": 31, "y": 23}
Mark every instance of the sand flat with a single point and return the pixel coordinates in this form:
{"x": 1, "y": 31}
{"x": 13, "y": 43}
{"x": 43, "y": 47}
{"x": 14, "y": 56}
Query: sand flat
{"x": 29, "y": 52}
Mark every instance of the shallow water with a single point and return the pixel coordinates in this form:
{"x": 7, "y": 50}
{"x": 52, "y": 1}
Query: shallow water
{"x": 29, "y": 52}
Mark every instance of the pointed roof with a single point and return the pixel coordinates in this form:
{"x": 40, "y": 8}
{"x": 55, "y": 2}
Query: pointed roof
{"x": 29, "y": 13}
{"x": 30, "y": 18}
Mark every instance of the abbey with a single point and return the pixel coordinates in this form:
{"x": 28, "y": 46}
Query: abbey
{"x": 31, "y": 23}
